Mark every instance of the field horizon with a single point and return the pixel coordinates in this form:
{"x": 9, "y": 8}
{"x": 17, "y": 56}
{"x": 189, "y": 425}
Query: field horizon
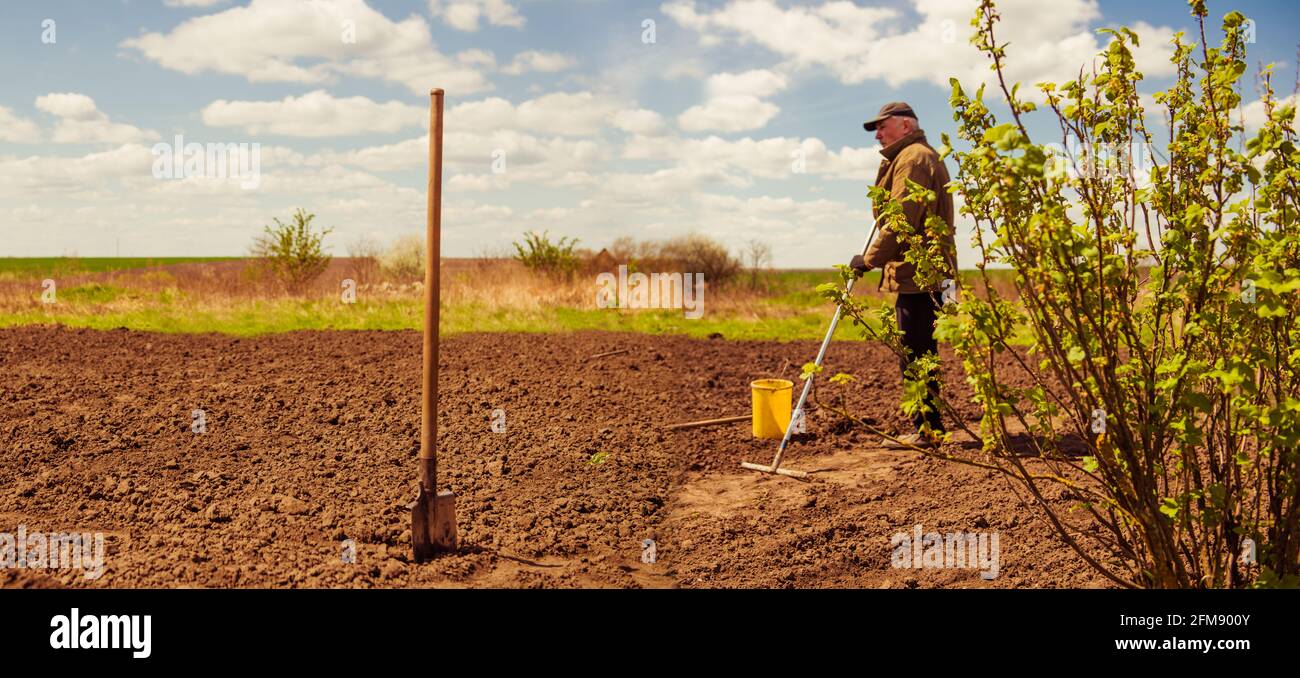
{"x": 228, "y": 295}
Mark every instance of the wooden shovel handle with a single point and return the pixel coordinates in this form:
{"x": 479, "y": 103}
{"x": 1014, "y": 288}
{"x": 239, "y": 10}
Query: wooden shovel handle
{"x": 432, "y": 254}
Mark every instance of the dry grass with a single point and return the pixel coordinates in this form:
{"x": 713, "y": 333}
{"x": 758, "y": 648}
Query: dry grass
{"x": 482, "y": 293}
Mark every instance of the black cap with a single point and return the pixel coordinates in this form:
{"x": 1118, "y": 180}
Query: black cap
{"x": 889, "y": 109}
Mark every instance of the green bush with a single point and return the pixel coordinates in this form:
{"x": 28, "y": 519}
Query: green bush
{"x": 540, "y": 255}
{"x": 93, "y": 293}
{"x": 1160, "y": 388}
{"x": 293, "y": 252}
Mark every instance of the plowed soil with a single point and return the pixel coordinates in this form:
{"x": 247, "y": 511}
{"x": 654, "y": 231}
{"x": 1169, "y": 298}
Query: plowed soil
{"x": 309, "y": 457}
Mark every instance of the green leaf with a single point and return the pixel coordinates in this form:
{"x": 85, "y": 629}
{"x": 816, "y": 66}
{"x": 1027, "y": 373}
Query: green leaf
{"x": 1270, "y": 309}
{"x": 1198, "y": 401}
{"x": 957, "y": 92}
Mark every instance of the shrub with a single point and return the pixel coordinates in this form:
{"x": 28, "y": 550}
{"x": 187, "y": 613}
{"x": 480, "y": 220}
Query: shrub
{"x": 292, "y": 252}
{"x": 697, "y": 253}
{"x": 1149, "y": 352}
{"x": 363, "y": 255}
{"x": 404, "y": 258}
{"x": 540, "y": 255}
{"x": 692, "y": 253}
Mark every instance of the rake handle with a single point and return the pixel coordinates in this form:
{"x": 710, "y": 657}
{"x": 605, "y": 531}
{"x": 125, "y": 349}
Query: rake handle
{"x": 821, "y": 355}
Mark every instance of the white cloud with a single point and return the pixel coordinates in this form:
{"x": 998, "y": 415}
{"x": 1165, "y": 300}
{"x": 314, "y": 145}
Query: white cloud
{"x": 17, "y": 129}
{"x": 192, "y": 3}
{"x": 1252, "y": 114}
{"x": 640, "y": 121}
{"x": 327, "y": 180}
{"x": 736, "y": 162}
{"x": 1048, "y": 41}
{"x": 526, "y": 157}
{"x": 735, "y": 102}
{"x": 563, "y": 113}
{"x": 728, "y": 114}
{"x": 759, "y": 83}
{"x": 484, "y": 114}
{"x": 97, "y": 199}
{"x": 303, "y": 42}
{"x": 464, "y": 15}
{"x": 81, "y": 122}
{"x": 1153, "y": 54}
{"x": 341, "y": 189}
{"x": 89, "y": 173}
{"x": 580, "y": 113}
{"x": 477, "y": 57}
{"x": 473, "y": 183}
{"x": 70, "y": 106}
{"x": 770, "y": 216}
{"x": 315, "y": 114}
{"x": 836, "y": 33}
{"x": 799, "y": 230}
{"x": 541, "y": 62}
{"x": 684, "y": 68}
{"x": 403, "y": 155}
{"x": 692, "y": 164}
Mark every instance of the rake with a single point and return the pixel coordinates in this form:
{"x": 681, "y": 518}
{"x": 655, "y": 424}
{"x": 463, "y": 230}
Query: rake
{"x": 775, "y": 466}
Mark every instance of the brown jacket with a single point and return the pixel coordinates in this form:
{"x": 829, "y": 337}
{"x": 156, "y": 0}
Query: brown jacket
{"x": 910, "y": 158}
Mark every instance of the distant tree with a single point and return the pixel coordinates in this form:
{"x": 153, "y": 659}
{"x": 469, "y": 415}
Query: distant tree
{"x": 698, "y": 253}
{"x": 539, "y": 254}
{"x": 404, "y": 258}
{"x": 759, "y": 255}
{"x": 364, "y": 253}
{"x": 293, "y": 252}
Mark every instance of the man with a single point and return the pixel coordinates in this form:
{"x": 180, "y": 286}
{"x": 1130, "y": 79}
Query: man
{"x": 909, "y": 157}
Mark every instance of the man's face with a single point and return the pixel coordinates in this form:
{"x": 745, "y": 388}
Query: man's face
{"x": 891, "y": 129}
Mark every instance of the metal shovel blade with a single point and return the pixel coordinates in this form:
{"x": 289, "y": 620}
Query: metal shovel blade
{"x": 433, "y": 524}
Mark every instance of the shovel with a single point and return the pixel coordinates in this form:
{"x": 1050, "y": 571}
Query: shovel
{"x": 433, "y": 514}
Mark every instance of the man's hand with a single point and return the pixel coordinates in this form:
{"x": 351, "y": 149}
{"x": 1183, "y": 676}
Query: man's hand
{"x": 859, "y": 265}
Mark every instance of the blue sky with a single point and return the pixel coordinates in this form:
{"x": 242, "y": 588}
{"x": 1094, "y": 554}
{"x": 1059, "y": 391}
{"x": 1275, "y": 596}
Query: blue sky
{"x": 603, "y": 133}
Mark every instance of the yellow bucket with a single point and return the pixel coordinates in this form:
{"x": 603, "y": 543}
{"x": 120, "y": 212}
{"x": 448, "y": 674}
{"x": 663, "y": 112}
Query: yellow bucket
{"x": 772, "y": 400}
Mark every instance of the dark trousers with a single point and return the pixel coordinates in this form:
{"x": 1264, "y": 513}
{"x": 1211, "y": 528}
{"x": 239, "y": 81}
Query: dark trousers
{"x": 915, "y": 314}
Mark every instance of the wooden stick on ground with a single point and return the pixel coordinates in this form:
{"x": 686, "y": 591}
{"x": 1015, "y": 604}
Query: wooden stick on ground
{"x": 609, "y": 353}
{"x": 709, "y": 422}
